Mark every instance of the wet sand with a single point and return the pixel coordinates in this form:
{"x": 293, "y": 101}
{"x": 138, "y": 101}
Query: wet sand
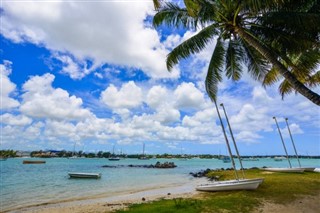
{"x": 110, "y": 203}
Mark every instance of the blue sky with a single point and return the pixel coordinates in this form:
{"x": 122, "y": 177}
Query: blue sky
{"x": 93, "y": 74}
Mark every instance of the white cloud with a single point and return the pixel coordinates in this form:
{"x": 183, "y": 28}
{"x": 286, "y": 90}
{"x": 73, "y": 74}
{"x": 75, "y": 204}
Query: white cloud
{"x": 18, "y": 120}
{"x": 188, "y": 96}
{"x": 116, "y": 34}
{"x": 128, "y": 96}
{"x": 156, "y": 97}
{"x": 7, "y": 87}
{"x": 41, "y": 100}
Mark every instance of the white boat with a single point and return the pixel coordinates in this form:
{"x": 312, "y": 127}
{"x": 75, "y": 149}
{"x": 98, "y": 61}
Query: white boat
{"x": 294, "y": 170}
{"x": 279, "y": 158}
{"x": 143, "y": 157}
{"x": 231, "y": 185}
{"x": 84, "y": 175}
{"x": 113, "y": 158}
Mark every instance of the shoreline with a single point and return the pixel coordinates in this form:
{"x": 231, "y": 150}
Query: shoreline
{"x": 114, "y": 202}
{"x": 109, "y": 203}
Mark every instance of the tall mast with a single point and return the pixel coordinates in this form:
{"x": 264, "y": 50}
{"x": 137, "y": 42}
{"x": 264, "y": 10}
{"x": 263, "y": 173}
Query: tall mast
{"x": 295, "y": 150}
{"x": 284, "y": 146}
{"x": 234, "y": 142}
{"x": 227, "y": 142}
{"x": 143, "y": 150}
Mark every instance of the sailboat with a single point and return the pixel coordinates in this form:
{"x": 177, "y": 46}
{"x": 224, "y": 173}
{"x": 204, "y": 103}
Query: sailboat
{"x": 290, "y": 169}
{"x": 74, "y": 156}
{"x": 143, "y": 157}
{"x": 113, "y": 157}
{"x": 309, "y": 169}
{"x": 230, "y": 185}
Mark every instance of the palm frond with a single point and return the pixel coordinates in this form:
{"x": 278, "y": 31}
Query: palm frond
{"x": 256, "y": 63}
{"x": 214, "y": 71}
{"x": 192, "y": 45}
{"x": 271, "y": 77}
{"x": 285, "y": 88}
{"x": 156, "y": 4}
{"x": 314, "y": 80}
{"x": 173, "y": 16}
{"x": 234, "y": 55}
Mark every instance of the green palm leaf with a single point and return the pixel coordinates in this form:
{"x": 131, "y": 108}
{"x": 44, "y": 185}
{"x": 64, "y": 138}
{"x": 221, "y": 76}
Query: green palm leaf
{"x": 214, "y": 71}
{"x": 174, "y": 16}
{"x": 233, "y": 60}
{"x": 256, "y": 63}
{"x": 192, "y": 45}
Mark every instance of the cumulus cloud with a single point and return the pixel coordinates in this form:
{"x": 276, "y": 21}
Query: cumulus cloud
{"x": 7, "y": 87}
{"x": 41, "y": 100}
{"x": 157, "y": 97}
{"x": 188, "y": 96}
{"x": 128, "y": 96}
{"x": 15, "y": 120}
{"x": 116, "y": 34}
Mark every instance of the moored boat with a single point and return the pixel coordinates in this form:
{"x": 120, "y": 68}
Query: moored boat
{"x": 84, "y": 175}
{"x": 113, "y": 158}
{"x": 34, "y": 161}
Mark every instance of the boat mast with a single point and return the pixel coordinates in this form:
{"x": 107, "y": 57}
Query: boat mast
{"x": 227, "y": 142}
{"x": 143, "y": 150}
{"x": 295, "y": 150}
{"x": 234, "y": 142}
{"x": 74, "y": 149}
{"x": 284, "y": 146}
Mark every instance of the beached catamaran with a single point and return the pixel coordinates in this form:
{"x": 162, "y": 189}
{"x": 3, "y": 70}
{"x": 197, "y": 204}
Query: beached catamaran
{"x": 231, "y": 185}
{"x": 290, "y": 169}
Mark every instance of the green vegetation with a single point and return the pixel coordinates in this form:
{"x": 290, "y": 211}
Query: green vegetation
{"x": 258, "y": 34}
{"x": 8, "y": 153}
{"x": 280, "y": 188}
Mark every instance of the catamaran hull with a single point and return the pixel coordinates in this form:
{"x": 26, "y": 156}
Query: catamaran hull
{"x": 294, "y": 170}
{"x": 308, "y": 169}
{"x": 231, "y": 185}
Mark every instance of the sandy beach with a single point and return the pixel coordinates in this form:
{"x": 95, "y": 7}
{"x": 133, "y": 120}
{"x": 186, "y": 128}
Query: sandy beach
{"x": 110, "y": 203}
{"x": 306, "y": 204}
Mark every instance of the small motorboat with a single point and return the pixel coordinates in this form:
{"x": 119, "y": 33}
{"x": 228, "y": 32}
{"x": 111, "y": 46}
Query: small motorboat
{"x": 294, "y": 170}
{"x": 231, "y": 185}
{"x": 84, "y": 175}
{"x": 34, "y": 161}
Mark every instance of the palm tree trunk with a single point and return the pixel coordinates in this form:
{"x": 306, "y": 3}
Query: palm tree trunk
{"x": 295, "y": 83}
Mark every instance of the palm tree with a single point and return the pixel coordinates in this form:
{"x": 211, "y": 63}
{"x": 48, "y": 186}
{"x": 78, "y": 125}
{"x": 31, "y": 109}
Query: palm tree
{"x": 259, "y": 34}
{"x": 306, "y": 62}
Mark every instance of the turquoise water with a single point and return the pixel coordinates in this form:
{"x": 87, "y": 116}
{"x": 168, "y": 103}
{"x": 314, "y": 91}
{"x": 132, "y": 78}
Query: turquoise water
{"x": 23, "y": 185}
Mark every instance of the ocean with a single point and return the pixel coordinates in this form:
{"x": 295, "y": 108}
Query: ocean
{"x": 24, "y": 185}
